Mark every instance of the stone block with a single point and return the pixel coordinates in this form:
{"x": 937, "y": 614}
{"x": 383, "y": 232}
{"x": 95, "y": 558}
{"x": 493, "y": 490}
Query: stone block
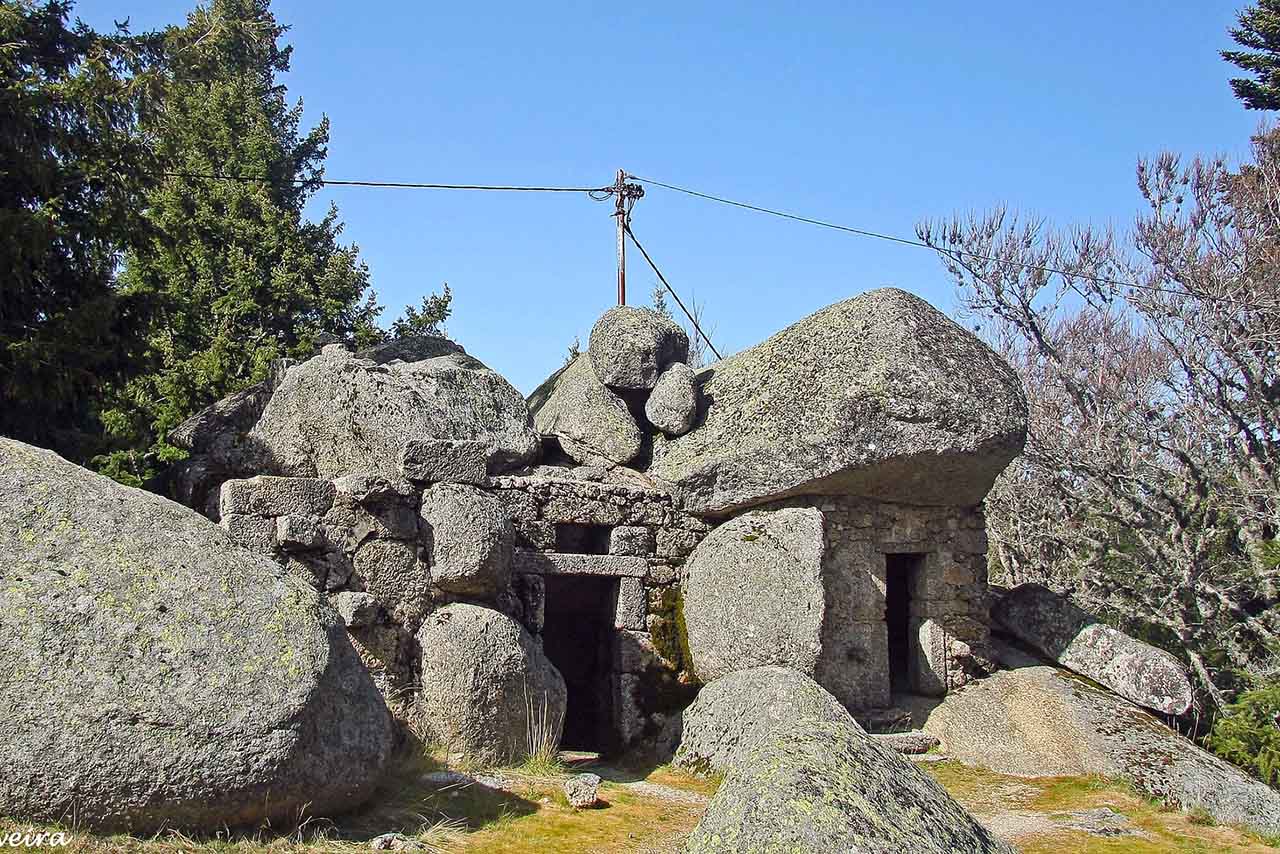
{"x": 632, "y": 605}
{"x": 854, "y": 663}
{"x": 445, "y": 461}
{"x": 958, "y": 572}
{"x": 676, "y": 544}
{"x": 854, "y": 574}
{"x": 396, "y": 577}
{"x": 516, "y": 503}
{"x": 276, "y": 496}
{"x": 299, "y": 533}
{"x": 531, "y": 590}
{"x": 928, "y": 657}
{"x": 534, "y": 534}
{"x": 631, "y": 540}
{"x": 367, "y": 488}
{"x": 356, "y": 609}
{"x": 629, "y": 713}
{"x": 324, "y": 570}
{"x": 636, "y": 653}
{"x": 661, "y": 572}
{"x": 572, "y": 509}
{"x": 646, "y": 512}
{"x": 253, "y": 532}
{"x": 349, "y": 523}
{"x": 575, "y": 564}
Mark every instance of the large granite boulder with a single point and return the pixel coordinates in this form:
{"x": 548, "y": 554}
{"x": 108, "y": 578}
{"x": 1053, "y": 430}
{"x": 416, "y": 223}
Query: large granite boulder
{"x": 630, "y": 346}
{"x": 754, "y": 594}
{"x": 1076, "y": 639}
{"x": 482, "y": 674}
{"x": 592, "y": 423}
{"x": 673, "y": 404}
{"x": 340, "y": 413}
{"x": 824, "y": 787}
{"x": 736, "y": 713}
{"x": 153, "y": 674}
{"x": 1038, "y": 721}
{"x": 880, "y": 395}
{"x": 469, "y": 540}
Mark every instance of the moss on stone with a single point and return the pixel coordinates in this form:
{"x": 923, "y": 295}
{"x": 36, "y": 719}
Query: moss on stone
{"x": 669, "y": 633}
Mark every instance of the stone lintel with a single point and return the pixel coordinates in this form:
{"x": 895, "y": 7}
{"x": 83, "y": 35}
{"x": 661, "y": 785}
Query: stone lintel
{"x": 549, "y": 563}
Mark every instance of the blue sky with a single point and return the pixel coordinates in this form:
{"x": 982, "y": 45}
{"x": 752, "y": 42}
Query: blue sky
{"x": 871, "y": 114}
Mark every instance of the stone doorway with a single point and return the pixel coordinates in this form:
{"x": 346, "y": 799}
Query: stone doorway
{"x": 578, "y": 637}
{"x": 901, "y": 576}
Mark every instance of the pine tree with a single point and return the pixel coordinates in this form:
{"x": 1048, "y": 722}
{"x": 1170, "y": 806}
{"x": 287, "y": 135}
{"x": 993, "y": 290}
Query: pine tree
{"x": 426, "y": 319}
{"x": 1259, "y": 31}
{"x": 659, "y": 299}
{"x": 71, "y": 172}
{"x": 231, "y": 275}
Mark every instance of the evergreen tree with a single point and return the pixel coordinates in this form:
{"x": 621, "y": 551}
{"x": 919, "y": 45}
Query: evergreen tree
{"x": 658, "y": 296}
{"x": 428, "y": 319}
{"x": 71, "y": 171}
{"x": 232, "y": 275}
{"x": 1259, "y": 32}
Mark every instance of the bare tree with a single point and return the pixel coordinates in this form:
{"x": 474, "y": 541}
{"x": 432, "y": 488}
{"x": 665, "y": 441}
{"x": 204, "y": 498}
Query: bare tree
{"x": 699, "y": 346}
{"x": 1149, "y": 485}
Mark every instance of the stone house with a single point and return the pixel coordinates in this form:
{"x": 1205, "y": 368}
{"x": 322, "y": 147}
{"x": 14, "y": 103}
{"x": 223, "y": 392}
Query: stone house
{"x": 813, "y": 502}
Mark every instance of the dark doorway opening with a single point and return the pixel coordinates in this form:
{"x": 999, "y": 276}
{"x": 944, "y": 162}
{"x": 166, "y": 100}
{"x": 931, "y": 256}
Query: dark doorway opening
{"x": 900, "y": 576}
{"x": 578, "y": 636}
{"x": 582, "y": 539}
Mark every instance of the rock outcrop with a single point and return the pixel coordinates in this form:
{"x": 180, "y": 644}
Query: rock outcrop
{"x": 153, "y": 674}
{"x": 630, "y": 346}
{"x": 1039, "y": 721}
{"x": 824, "y": 787}
{"x": 736, "y": 713}
{"x": 481, "y": 675}
{"x": 880, "y": 396}
{"x": 339, "y": 413}
{"x": 754, "y": 594}
{"x": 1076, "y": 639}
{"x": 591, "y": 422}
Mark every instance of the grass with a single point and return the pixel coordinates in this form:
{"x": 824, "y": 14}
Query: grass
{"x": 986, "y": 794}
{"x": 542, "y": 738}
{"x": 529, "y": 814}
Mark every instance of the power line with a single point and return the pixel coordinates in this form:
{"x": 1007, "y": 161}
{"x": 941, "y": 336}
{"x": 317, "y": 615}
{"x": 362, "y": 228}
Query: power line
{"x": 670, "y": 290}
{"x": 602, "y": 193}
{"x": 920, "y": 244}
{"x": 397, "y": 185}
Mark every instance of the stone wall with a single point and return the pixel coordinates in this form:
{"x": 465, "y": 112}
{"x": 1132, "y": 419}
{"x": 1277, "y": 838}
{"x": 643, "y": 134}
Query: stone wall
{"x": 947, "y": 592}
{"x": 366, "y": 541}
{"x": 637, "y": 535}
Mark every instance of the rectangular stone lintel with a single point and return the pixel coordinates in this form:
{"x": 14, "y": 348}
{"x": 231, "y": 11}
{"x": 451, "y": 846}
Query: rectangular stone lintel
{"x": 547, "y": 563}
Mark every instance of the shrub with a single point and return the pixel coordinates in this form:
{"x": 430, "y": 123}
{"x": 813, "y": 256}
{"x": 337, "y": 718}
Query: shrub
{"x": 1249, "y": 733}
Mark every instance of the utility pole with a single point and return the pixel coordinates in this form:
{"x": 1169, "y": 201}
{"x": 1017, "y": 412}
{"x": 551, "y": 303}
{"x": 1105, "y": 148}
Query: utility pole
{"x": 625, "y": 196}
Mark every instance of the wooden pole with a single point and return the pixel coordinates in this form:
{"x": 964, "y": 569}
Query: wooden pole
{"x": 621, "y": 215}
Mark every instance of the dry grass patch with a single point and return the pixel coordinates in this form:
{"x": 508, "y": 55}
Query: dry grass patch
{"x": 528, "y": 813}
{"x": 627, "y": 821}
{"x": 990, "y": 796}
